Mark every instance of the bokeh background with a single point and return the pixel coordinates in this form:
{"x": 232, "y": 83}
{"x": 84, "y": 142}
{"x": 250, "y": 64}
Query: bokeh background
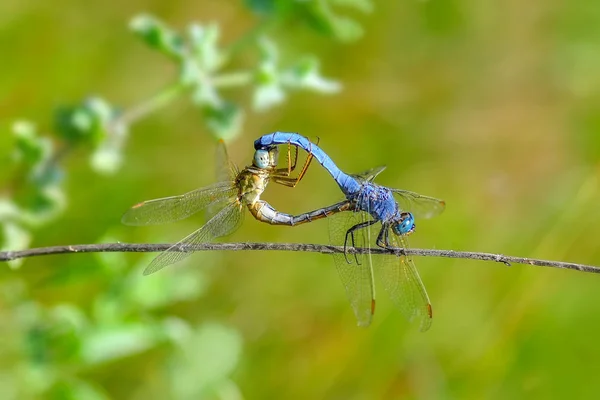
{"x": 492, "y": 106}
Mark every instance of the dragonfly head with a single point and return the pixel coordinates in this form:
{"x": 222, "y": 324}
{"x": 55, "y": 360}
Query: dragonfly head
{"x": 266, "y": 157}
{"x": 404, "y": 225}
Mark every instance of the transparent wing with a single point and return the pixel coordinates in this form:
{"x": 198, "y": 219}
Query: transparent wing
{"x": 225, "y": 170}
{"x": 369, "y": 174}
{"x": 404, "y": 285}
{"x": 223, "y": 223}
{"x": 356, "y": 278}
{"x": 421, "y": 206}
{"x": 175, "y": 208}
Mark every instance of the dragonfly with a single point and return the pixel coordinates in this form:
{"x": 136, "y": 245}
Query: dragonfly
{"x": 223, "y": 202}
{"x": 370, "y": 203}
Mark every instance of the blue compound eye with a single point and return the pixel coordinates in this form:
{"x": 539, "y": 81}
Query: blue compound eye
{"x": 405, "y": 224}
{"x": 262, "y": 158}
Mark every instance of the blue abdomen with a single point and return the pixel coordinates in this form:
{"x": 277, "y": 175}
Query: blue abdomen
{"x": 348, "y": 184}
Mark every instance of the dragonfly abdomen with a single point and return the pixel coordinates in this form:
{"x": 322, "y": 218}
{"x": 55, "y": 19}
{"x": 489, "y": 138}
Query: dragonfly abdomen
{"x": 347, "y": 183}
{"x": 263, "y": 211}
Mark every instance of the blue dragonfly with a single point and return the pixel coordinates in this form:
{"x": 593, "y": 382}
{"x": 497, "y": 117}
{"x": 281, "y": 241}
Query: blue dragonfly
{"x": 223, "y": 202}
{"x": 369, "y": 204}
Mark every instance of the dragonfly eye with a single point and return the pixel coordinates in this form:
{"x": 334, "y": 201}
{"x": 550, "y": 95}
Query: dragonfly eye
{"x": 262, "y": 158}
{"x": 405, "y": 225}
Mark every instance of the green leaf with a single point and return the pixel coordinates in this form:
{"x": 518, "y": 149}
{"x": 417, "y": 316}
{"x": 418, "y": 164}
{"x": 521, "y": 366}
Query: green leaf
{"x": 30, "y": 148}
{"x": 15, "y": 238}
{"x": 205, "y": 94}
{"x": 268, "y": 91}
{"x": 47, "y": 203}
{"x": 159, "y": 290}
{"x": 270, "y": 82}
{"x": 88, "y": 122}
{"x": 224, "y": 121}
{"x": 267, "y": 95}
{"x": 106, "y": 159}
{"x": 264, "y": 7}
{"x": 205, "y": 361}
{"x": 76, "y": 390}
{"x": 203, "y": 41}
{"x": 306, "y": 75}
{"x": 9, "y": 210}
{"x": 158, "y": 36}
{"x": 114, "y": 342}
{"x": 321, "y": 15}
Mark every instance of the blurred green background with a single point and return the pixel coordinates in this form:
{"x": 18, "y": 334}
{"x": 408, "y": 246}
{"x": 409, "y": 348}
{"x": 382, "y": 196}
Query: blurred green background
{"x": 491, "y": 106}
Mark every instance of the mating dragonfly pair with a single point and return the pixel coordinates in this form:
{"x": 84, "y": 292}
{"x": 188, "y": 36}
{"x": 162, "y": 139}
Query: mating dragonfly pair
{"x": 365, "y": 204}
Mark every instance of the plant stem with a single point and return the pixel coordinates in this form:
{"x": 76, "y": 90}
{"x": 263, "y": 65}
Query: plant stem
{"x": 234, "y": 79}
{"x": 312, "y": 248}
{"x": 159, "y": 100}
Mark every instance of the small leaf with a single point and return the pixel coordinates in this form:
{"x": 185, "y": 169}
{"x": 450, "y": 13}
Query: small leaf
{"x": 321, "y": 16}
{"x": 8, "y": 210}
{"x": 306, "y": 75}
{"x": 76, "y": 390}
{"x": 224, "y": 121}
{"x": 30, "y": 148}
{"x": 49, "y": 202}
{"x": 204, "y": 46}
{"x": 116, "y": 342}
{"x": 15, "y": 238}
{"x": 263, "y": 7}
{"x": 190, "y": 73}
{"x": 267, "y": 96}
{"x": 206, "y": 360}
{"x": 205, "y": 94}
{"x": 161, "y": 290}
{"x": 364, "y": 6}
{"x": 70, "y": 314}
{"x": 268, "y": 91}
{"x": 88, "y": 122}
{"x": 158, "y": 36}
{"x": 106, "y": 160}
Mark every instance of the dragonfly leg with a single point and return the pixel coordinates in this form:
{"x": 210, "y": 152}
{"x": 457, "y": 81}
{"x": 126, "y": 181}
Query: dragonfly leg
{"x": 281, "y": 176}
{"x": 291, "y": 166}
{"x": 383, "y": 239}
{"x": 350, "y": 232}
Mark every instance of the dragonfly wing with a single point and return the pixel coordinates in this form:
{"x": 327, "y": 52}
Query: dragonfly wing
{"x": 404, "y": 285}
{"x": 356, "y": 278}
{"x": 223, "y": 223}
{"x": 225, "y": 170}
{"x": 421, "y": 206}
{"x": 369, "y": 174}
{"x": 175, "y": 208}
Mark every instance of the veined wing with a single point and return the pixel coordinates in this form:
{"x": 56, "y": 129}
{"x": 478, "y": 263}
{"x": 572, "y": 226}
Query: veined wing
{"x": 224, "y": 169}
{"x": 175, "y": 208}
{"x": 223, "y": 223}
{"x": 420, "y": 206}
{"x": 356, "y": 278}
{"x": 404, "y": 285}
{"x": 370, "y": 174}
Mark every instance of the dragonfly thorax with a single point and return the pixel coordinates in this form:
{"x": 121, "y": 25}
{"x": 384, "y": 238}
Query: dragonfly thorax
{"x": 251, "y": 183}
{"x": 404, "y": 224}
{"x": 377, "y": 201}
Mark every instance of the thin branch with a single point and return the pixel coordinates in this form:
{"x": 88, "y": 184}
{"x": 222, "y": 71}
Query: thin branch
{"x": 148, "y": 106}
{"x": 312, "y": 248}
